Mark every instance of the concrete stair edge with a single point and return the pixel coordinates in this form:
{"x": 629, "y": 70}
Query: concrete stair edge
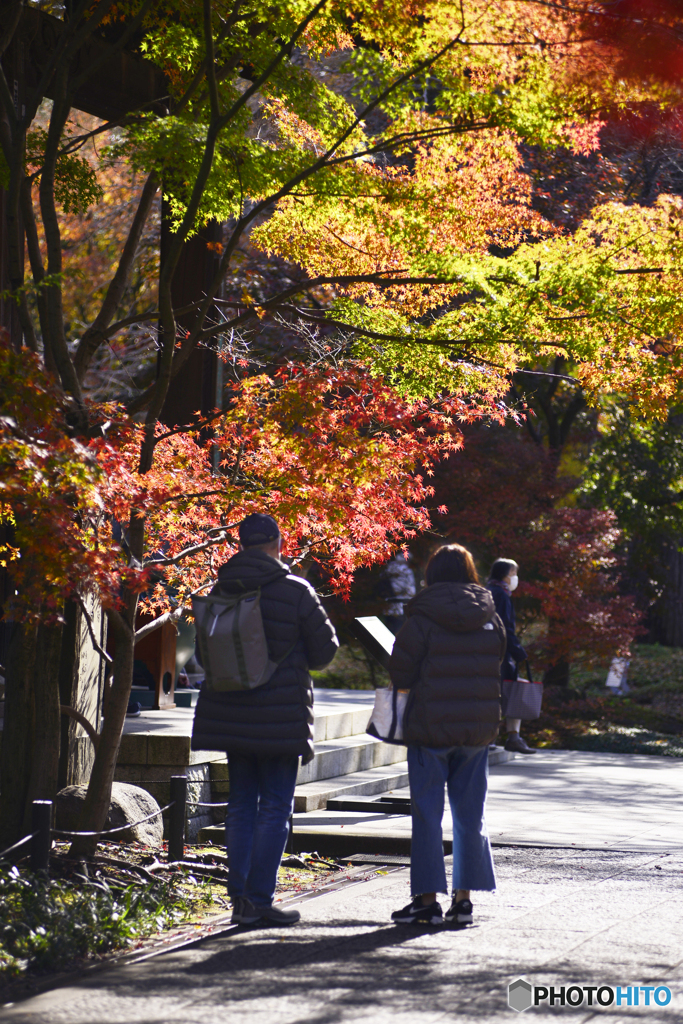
{"x": 313, "y": 796}
{"x": 500, "y": 755}
{"x": 333, "y": 723}
{"x": 348, "y": 754}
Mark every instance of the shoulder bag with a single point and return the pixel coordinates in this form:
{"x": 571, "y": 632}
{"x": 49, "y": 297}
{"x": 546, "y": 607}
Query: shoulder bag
{"x": 522, "y": 698}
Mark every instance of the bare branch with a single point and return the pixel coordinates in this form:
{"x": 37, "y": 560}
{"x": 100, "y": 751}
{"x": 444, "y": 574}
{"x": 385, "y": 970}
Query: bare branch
{"x": 195, "y": 549}
{"x": 193, "y": 496}
{"x": 324, "y": 321}
{"x": 91, "y": 629}
{"x": 95, "y": 335}
{"x": 151, "y": 627}
{"x": 83, "y": 721}
{"x": 642, "y": 270}
{"x": 210, "y": 60}
{"x": 226, "y": 68}
{"x": 284, "y": 50}
{"x": 323, "y": 161}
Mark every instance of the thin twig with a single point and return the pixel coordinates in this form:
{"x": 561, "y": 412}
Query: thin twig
{"x": 99, "y": 859}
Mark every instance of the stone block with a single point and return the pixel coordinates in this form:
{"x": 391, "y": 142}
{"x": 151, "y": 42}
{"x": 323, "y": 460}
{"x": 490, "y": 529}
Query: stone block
{"x": 133, "y": 749}
{"x": 168, "y": 749}
{"x": 218, "y": 771}
{"x": 206, "y": 756}
{"x": 140, "y": 774}
{"x": 361, "y": 717}
{"x": 347, "y": 755}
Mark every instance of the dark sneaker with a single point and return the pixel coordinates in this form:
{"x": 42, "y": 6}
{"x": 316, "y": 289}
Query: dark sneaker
{"x": 517, "y": 744}
{"x": 275, "y": 915}
{"x": 244, "y": 911}
{"x": 459, "y": 912}
{"x": 134, "y": 709}
{"x": 416, "y": 913}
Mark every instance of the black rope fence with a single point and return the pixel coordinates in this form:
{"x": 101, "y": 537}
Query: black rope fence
{"x": 11, "y": 849}
{"x": 41, "y": 836}
{"x": 111, "y": 831}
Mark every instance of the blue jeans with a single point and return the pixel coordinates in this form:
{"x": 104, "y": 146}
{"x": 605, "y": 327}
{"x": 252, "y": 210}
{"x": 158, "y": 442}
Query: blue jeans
{"x": 464, "y": 770}
{"x": 257, "y": 822}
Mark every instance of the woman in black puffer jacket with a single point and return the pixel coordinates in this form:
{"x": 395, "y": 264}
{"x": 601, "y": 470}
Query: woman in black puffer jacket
{"x": 448, "y": 654}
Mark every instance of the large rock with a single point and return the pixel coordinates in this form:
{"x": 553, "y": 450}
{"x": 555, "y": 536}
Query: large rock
{"x": 128, "y": 804}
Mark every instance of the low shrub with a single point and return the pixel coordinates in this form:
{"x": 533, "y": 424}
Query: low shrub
{"x": 45, "y": 923}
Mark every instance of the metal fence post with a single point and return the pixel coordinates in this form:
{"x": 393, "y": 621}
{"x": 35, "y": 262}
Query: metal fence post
{"x": 176, "y": 824}
{"x": 41, "y": 824}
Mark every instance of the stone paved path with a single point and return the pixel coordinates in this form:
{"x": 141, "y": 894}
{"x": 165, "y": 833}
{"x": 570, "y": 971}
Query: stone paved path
{"x": 558, "y": 798}
{"x": 559, "y": 917}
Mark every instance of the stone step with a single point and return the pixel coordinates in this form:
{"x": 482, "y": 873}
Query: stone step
{"x": 374, "y": 782}
{"x": 348, "y": 754}
{"x": 313, "y": 796}
{"x": 340, "y": 713}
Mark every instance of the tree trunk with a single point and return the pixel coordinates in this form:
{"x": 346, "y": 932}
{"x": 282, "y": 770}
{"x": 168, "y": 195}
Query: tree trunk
{"x": 557, "y": 674}
{"x": 98, "y": 797}
{"x": 30, "y": 747}
{"x": 667, "y": 614}
{"x": 17, "y": 737}
{"x": 81, "y": 683}
{"x": 43, "y": 781}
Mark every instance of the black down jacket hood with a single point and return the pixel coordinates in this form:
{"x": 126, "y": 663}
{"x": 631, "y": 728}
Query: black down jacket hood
{"x": 448, "y": 654}
{"x": 276, "y": 718}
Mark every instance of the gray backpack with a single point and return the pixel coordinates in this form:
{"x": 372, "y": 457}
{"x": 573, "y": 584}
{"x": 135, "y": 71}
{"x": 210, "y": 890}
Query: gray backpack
{"x": 232, "y": 643}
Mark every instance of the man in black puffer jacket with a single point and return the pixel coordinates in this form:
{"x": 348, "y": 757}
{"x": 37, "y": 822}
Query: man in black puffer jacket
{"x": 267, "y": 729}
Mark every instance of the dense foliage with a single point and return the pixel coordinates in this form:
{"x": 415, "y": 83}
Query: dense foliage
{"x": 636, "y": 469}
{"x": 378, "y": 153}
{"x": 507, "y": 501}
{"x": 332, "y": 453}
{"x": 45, "y": 923}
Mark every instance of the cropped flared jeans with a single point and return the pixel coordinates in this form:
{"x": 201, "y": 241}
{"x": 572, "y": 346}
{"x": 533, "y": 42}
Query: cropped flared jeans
{"x": 464, "y": 772}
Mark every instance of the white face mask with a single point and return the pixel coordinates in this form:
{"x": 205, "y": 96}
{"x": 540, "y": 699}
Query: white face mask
{"x": 514, "y": 580}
